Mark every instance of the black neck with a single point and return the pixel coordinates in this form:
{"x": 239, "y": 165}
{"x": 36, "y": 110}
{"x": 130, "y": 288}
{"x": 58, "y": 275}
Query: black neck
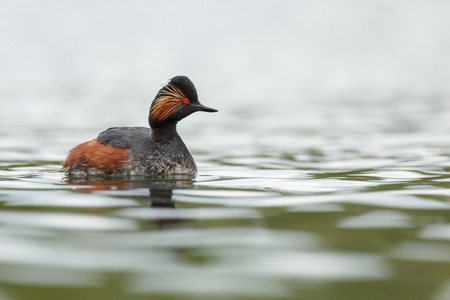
{"x": 166, "y": 131}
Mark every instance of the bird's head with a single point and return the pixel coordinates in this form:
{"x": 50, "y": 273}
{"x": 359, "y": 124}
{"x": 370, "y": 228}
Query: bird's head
{"x": 175, "y": 101}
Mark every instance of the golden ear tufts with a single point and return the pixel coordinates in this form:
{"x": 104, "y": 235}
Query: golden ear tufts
{"x": 168, "y": 104}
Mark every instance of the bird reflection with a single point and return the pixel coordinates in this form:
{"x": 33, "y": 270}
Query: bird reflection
{"x": 159, "y": 196}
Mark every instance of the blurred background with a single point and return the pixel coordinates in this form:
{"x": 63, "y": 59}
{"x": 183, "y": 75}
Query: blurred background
{"x": 324, "y": 175}
{"x": 81, "y": 67}
{"x": 258, "y": 53}
{"x": 261, "y": 47}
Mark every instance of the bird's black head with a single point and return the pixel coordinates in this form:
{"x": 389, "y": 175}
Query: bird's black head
{"x": 175, "y": 101}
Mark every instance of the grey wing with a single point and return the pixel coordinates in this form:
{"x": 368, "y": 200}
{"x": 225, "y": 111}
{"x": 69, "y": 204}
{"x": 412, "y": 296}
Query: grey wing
{"x": 124, "y": 137}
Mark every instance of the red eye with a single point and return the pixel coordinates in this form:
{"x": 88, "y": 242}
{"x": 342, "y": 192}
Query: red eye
{"x": 186, "y": 101}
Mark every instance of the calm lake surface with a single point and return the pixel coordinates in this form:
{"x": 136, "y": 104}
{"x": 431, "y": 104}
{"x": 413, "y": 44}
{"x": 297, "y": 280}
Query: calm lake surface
{"x": 340, "y": 192}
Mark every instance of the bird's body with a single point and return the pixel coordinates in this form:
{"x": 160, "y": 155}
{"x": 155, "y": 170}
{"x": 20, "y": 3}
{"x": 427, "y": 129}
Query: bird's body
{"x": 158, "y": 150}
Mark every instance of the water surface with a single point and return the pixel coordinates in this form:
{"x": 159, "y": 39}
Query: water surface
{"x": 339, "y": 200}
{"x": 325, "y": 174}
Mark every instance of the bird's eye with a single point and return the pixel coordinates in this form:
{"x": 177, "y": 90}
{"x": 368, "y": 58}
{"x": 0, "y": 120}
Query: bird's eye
{"x": 186, "y": 101}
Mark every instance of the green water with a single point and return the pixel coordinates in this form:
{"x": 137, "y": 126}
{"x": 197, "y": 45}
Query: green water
{"x": 311, "y": 209}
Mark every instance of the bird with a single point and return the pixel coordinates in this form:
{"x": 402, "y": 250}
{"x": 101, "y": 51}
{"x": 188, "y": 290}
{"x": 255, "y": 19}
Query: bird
{"x": 154, "y": 151}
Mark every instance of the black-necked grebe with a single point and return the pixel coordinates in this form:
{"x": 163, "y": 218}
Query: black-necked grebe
{"x": 141, "y": 150}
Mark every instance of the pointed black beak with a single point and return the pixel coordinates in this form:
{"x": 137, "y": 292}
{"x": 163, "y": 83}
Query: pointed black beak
{"x": 201, "y": 107}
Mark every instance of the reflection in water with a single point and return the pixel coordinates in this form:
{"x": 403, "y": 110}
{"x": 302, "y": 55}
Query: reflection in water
{"x": 160, "y": 190}
{"x": 241, "y": 234}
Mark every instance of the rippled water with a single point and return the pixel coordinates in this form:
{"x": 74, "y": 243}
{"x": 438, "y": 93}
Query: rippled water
{"x": 339, "y": 190}
{"x": 331, "y": 199}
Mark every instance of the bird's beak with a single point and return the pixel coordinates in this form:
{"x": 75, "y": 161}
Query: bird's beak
{"x": 201, "y": 107}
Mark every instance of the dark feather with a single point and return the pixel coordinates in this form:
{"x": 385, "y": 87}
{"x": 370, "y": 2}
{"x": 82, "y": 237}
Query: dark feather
{"x": 125, "y": 137}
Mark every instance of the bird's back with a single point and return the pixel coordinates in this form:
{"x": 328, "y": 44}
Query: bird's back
{"x": 132, "y": 138}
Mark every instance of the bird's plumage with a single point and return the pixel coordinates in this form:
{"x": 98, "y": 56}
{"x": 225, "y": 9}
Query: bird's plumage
{"x": 157, "y": 150}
